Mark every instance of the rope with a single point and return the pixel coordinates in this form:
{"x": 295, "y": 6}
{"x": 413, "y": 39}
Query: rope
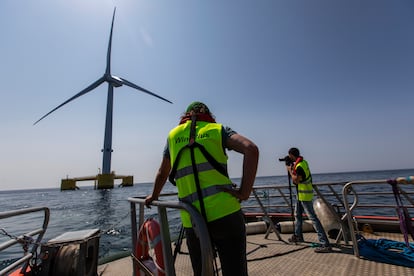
{"x": 24, "y": 240}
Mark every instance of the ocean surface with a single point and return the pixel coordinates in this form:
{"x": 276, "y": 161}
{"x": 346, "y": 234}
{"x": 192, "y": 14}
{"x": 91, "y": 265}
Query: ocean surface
{"x": 109, "y": 210}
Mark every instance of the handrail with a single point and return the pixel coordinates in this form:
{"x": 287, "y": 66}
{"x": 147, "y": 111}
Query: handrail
{"x": 274, "y": 198}
{"x": 277, "y": 196}
{"x": 349, "y": 189}
{"x": 268, "y": 219}
{"x": 39, "y": 232}
{"x": 281, "y": 202}
{"x": 282, "y": 194}
{"x": 344, "y": 232}
{"x": 199, "y": 227}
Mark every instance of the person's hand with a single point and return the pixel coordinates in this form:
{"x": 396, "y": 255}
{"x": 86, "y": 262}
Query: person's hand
{"x": 404, "y": 180}
{"x": 289, "y": 169}
{"x": 148, "y": 200}
{"x": 401, "y": 180}
{"x": 235, "y": 192}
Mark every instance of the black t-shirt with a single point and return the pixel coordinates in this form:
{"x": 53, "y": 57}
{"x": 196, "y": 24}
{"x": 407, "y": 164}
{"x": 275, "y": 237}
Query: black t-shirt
{"x": 301, "y": 172}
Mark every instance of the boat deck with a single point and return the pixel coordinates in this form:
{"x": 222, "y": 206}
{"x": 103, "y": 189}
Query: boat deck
{"x": 274, "y": 257}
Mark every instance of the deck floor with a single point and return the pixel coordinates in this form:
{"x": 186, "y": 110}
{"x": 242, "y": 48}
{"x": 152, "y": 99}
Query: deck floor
{"x": 274, "y": 257}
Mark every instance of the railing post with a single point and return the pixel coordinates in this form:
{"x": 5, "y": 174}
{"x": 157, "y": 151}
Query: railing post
{"x": 199, "y": 225}
{"x": 348, "y": 187}
{"x": 266, "y": 215}
{"x": 344, "y": 230}
{"x": 166, "y": 242}
{"x": 134, "y": 234}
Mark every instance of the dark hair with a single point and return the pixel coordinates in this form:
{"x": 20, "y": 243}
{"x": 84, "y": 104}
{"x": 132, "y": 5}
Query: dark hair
{"x": 294, "y": 151}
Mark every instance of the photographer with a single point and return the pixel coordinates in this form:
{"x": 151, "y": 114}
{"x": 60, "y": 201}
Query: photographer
{"x": 298, "y": 169}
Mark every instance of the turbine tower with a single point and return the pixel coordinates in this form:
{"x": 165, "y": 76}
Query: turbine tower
{"x": 113, "y": 81}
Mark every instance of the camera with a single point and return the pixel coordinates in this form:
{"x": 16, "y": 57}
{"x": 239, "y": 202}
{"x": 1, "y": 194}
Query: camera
{"x": 287, "y": 160}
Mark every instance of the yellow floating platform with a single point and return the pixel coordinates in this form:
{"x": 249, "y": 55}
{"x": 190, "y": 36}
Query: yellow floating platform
{"x": 102, "y": 181}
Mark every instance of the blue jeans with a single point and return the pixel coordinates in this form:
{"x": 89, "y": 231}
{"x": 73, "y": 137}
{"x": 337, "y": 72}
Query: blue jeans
{"x": 307, "y": 206}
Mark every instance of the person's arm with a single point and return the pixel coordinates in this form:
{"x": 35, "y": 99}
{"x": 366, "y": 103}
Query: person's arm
{"x": 160, "y": 180}
{"x": 296, "y": 177}
{"x": 250, "y": 153}
{"x": 405, "y": 180}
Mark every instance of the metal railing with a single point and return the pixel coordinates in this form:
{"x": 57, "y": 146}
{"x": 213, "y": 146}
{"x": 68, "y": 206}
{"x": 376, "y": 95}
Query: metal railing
{"x": 199, "y": 227}
{"x": 277, "y": 201}
{"x": 353, "y": 201}
{"x": 273, "y": 200}
{"x": 279, "y": 198}
{"x": 276, "y": 198}
{"x": 346, "y": 199}
{"x": 24, "y": 239}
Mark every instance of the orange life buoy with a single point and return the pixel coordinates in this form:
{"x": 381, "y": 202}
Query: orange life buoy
{"x": 19, "y": 273}
{"x": 149, "y": 237}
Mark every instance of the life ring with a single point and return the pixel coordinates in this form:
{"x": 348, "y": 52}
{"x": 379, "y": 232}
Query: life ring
{"x": 19, "y": 273}
{"x": 149, "y": 238}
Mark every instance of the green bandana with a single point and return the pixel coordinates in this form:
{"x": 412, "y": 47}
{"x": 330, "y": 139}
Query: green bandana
{"x": 197, "y": 107}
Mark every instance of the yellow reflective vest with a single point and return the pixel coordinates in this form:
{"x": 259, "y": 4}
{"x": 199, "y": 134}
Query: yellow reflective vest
{"x": 305, "y": 188}
{"x": 217, "y": 203}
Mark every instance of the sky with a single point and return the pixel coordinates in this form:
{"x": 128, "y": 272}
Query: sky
{"x": 333, "y": 78}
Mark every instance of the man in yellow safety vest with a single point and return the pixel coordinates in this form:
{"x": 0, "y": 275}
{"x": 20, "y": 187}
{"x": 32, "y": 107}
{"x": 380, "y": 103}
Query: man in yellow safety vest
{"x": 196, "y": 162}
{"x": 302, "y": 178}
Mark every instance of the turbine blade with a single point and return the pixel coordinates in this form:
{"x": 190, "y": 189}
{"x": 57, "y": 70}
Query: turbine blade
{"x": 84, "y": 91}
{"x": 130, "y": 84}
{"x": 108, "y": 54}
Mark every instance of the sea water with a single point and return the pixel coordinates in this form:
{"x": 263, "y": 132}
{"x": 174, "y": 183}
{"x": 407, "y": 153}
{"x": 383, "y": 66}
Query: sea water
{"x": 109, "y": 210}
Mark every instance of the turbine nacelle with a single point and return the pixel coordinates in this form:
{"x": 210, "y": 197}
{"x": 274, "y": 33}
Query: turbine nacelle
{"x": 114, "y": 80}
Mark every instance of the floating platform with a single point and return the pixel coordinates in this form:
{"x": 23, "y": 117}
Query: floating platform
{"x": 102, "y": 181}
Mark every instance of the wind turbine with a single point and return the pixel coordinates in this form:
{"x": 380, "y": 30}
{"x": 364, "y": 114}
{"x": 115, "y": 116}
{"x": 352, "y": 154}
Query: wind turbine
{"x": 113, "y": 81}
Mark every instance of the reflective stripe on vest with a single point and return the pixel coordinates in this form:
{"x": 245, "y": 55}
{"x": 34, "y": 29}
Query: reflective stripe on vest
{"x": 200, "y": 168}
{"x": 212, "y": 190}
{"x": 305, "y": 188}
{"x": 217, "y": 203}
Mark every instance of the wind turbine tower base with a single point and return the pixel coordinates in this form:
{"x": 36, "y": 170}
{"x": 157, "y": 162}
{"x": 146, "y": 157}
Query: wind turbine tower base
{"x": 106, "y": 181}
